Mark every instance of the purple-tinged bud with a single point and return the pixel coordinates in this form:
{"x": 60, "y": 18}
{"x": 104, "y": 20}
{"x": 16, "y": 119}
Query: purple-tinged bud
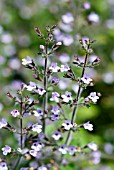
{"x": 37, "y": 30}
{"x": 86, "y": 99}
{"x": 42, "y": 47}
{"x": 9, "y": 95}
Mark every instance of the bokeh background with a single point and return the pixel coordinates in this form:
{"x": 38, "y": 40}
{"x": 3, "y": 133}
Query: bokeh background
{"x": 93, "y": 19}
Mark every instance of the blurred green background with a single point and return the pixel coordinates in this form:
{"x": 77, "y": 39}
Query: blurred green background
{"x": 93, "y": 19}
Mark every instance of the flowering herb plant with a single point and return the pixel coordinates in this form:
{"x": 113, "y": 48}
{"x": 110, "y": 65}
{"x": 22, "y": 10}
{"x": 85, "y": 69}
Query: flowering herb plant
{"x": 39, "y": 146}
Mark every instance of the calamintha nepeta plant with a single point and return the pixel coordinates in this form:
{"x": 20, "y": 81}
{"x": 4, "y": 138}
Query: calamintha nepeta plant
{"x": 40, "y": 147}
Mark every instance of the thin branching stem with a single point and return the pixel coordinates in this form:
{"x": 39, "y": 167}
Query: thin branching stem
{"x": 45, "y": 87}
{"x": 21, "y": 135}
{"x": 77, "y": 99}
{"x": 21, "y": 126}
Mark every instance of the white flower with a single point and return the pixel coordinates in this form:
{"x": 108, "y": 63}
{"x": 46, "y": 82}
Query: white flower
{"x": 42, "y": 168}
{"x": 22, "y": 151}
{"x": 37, "y": 146}
{"x": 93, "y": 97}
{"x": 88, "y": 126}
{"x": 36, "y": 128}
{"x": 6, "y": 150}
{"x": 67, "y": 125}
{"x": 63, "y": 149}
{"x": 3, "y": 123}
{"x": 27, "y": 61}
{"x": 72, "y": 150}
{"x": 3, "y": 166}
{"x": 54, "y": 68}
{"x": 33, "y": 153}
{"x": 93, "y": 17}
{"x": 67, "y": 97}
{"x": 31, "y": 86}
{"x": 56, "y": 135}
{"x": 59, "y": 43}
{"x": 67, "y": 18}
{"x": 41, "y": 91}
{"x": 15, "y": 113}
{"x": 55, "y": 97}
{"x": 92, "y": 146}
{"x": 86, "y": 80}
{"x": 67, "y": 40}
{"x": 38, "y": 112}
{"x": 64, "y": 68}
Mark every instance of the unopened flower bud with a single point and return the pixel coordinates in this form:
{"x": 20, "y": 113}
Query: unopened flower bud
{"x": 59, "y": 43}
{"x": 42, "y": 47}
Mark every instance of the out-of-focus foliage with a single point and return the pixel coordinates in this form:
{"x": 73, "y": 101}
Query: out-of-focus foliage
{"x": 18, "y": 39}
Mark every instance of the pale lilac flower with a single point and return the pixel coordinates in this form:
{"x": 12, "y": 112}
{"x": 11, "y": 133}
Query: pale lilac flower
{"x": 58, "y": 35}
{"x": 67, "y": 125}
{"x": 38, "y": 112}
{"x": 3, "y": 123}
{"x": 24, "y": 168}
{"x": 41, "y": 91}
{"x": 86, "y": 80}
{"x": 86, "y": 5}
{"x": 7, "y": 149}
{"x": 54, "y": 68}
{"x": 57, "y": 135}
{"x": 55, "y": 109}
{"x": 67, "y": 40}
{"x": 93, "y": 97}
{"x": 96, "y": 157}
{"x": 65, "y": 27}
{"x": 92, "y": 146}
{"x": 42, "y": 167}
{"x": 88, "y": 126}
{"x": 31, "y": 86}
{"x": 63, "y": 149}
{"x": 66, "y": 97}
{"x": 55, "y": 97}
{"x": 64, "y": 58}
{"x": 72, "y": 150}
{"x": 36, "y": 128}
{"x": 55, "y": 80}
{"x": 23, "y": 151}
{"x": 42, "y": 47}
{"x": 55, "y": 116}
{"x": 93, "y": 17}
{"x": 64, "y": 68}
{"x": 108, "y": 148}
{"x": 14, "y": 64}
{"x": 15, "y": 113}
{"x": 27, "y": 61}
{"x": 34, "y": 164}
{"x": 3, "y": 166}
{"x": 37, "y": 146}
{"x": 33, "y": 153}
{"x": 6, "y": 38}
{"x": 67, "y": 18}
{"x": 63, "y": 84}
